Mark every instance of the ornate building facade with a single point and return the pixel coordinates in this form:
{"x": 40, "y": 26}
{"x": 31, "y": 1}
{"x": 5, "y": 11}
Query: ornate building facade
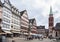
{"x": 56, "y": 30}
{"x": 24, "y": 23}
{"x": 1, "y": 9}
{"x": 51, "y": 22}
{"x": 41, "y": 30}
{"x": 33, "y": 26}
{"x": 6, "y": 17}
{"x": 10, "y": 18}
{"x": 15, "y": 24}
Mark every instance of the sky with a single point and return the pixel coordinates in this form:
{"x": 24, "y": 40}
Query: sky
{"x": 39, "y": 9}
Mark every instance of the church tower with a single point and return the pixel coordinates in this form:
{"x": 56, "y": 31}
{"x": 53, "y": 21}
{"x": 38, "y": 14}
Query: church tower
{"x": 51, "y": 22}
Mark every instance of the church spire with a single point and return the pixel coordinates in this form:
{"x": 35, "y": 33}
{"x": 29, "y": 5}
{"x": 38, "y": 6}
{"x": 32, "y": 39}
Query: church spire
{"x": 51, "y": 10}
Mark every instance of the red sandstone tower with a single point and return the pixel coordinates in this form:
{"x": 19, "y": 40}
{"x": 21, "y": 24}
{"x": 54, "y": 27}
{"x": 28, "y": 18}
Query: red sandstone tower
{"x": 51, "y": 22}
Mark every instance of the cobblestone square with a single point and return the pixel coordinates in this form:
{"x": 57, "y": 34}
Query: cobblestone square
{"x": 34, "y": 40}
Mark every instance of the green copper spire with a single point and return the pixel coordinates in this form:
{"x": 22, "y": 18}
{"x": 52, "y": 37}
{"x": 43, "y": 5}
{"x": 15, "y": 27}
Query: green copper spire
{"x": 51, "y": 10}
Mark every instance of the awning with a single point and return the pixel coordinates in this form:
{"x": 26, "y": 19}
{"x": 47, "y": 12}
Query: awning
{"x": 30, "y": 33}
{"x": 34, "y": 34}
{"x": 2, "y": 32}
{"x": 26, "y": 33}
{"x": 8, "y": 32}
{"x": 15, "y": 32}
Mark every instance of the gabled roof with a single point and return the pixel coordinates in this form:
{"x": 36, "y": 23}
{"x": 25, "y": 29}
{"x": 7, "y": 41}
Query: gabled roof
{"x": 22, "y": 12}
{"x": 1, "y": 4}
{"x": 57, "y": 27}
{"x": 7, "y": 2}
{"x": 31, "y": 20}
{"x": 40, "y": 27}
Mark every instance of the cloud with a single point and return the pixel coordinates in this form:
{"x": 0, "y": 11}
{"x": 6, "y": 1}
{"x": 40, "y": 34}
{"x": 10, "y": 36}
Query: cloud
{"x": 39, "y": 9}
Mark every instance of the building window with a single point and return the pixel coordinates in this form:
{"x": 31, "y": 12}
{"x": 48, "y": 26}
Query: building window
{"x": 7, "y": 15}
{"x": 6, "y": 20}
{"x": 5, "y": 25}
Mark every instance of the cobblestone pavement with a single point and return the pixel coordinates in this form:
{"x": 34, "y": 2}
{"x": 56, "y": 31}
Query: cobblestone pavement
{"x": 35, "y": 40}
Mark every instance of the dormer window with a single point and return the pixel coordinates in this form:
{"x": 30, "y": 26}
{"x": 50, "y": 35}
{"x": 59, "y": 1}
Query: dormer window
{"x": 6, "y": 1}
{"x": 17, "y": 11}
